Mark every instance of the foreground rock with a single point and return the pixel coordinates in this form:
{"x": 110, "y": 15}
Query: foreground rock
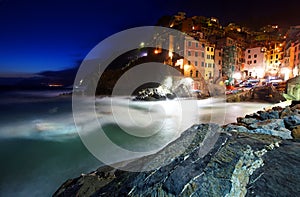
{"x": 241, "y": 159}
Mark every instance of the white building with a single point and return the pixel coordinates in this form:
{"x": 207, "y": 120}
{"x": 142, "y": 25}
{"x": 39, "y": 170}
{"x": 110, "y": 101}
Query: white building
{"x": 255, "y": 62}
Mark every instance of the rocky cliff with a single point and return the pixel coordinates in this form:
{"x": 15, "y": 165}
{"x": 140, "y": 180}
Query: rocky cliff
{"x": 257, "y": 156}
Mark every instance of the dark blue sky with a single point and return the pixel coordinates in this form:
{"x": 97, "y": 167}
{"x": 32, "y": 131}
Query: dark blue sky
{"x": 38, "y": 35}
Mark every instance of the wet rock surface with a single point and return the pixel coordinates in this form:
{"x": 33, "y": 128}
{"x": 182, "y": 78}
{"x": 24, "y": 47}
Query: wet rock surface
{"x": 257, "y": 156}
{"x": 154, "y": 94}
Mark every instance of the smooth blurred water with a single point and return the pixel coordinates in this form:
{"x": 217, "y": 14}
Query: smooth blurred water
{"x": 40, "y": 147}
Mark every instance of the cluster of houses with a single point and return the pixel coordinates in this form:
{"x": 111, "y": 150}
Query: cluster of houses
{"x": 212, "y": 53}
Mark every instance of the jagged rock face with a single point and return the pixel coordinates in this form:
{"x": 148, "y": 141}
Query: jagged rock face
{"x": 238, "y": 164}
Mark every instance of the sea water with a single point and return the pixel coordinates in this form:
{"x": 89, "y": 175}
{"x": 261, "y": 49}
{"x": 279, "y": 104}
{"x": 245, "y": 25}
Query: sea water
{"x": 40, "y": 147}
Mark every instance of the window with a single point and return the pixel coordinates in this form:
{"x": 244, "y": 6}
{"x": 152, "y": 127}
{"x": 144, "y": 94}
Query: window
{"x": 202, "y": 54}
{"x": 212, "y": 57}
{"x": 209, "y": 65}
{"x": 276, "y": 61}
{"x": 190, "y": 43}
{"x": 298, "y": 56}
{"x": 255, "y": 55}
{"x": 271, "y": 57}
{"x": 191, "y": 73}
{"x": 219, "y": 62}
{"x": 189, "y": 62}
{"x": 249, "y": 56}
{"x": 207, "y": 49}
{"x": 271, "y": 62}
{"x": 254, "y": 61}
{"x": 197, "y": 73}
{"x": 276, "y": 56}
{"x": 249, "y": 51}
{"x": 197, "y": 45}
{"x": 220, "y": 54}
{"x": 213, "y": 65}
{"x": 250, "y": 62}
{"x": 196, "y": 54}
{"x": 211, "y": 49}
{"x": 189, "y": 53}
{"x": 196, "y": 63}
{"x": 203, "y": 45}
{"x": 202, "y": 64}
{"x": 208, "y": 56}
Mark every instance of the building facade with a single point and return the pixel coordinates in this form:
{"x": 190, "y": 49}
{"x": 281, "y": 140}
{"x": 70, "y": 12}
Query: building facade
{"x": 255, "y": 62}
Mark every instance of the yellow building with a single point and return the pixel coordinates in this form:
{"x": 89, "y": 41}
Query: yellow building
{"x": 274, "y": 60}
{"x": 209, "y": 64}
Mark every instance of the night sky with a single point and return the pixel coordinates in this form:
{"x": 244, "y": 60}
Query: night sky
{"x": 38, "y": 35}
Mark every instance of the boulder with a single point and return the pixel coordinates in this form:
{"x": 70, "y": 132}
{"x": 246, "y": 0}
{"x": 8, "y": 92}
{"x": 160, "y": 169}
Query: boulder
{"x": 273, "y": 124}
{"x": 286, "y": 112}
{"x": 154, "y": 94}
{"x": 296, "y": 132}
{"x": 269, "y": 115}
{"x": 282, "y": 133}
{"x": 247, "y": 121}
{"x": 235, "y": 128}
{"x": 291, "y": 121}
